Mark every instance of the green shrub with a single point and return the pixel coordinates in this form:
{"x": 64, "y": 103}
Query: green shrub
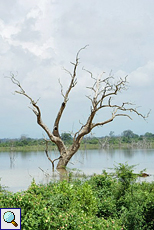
{"x": 94, "y": 203}
{"x": 59, "y": 205}
{"x": 103, "y": 187}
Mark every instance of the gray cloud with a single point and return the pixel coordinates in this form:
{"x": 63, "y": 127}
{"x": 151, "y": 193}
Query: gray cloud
{"x": 28, "y": 32}
{"x": 38, "y": 38}
{"x": 8, "y": 10}
{"x": 117, "y": 34}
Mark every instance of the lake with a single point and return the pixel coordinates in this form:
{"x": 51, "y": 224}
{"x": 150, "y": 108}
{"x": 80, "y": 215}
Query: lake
{"x": 17, "y": 169}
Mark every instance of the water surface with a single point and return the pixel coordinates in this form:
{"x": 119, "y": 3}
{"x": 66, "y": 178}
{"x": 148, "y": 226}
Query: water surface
{"x": 17, "y": 169}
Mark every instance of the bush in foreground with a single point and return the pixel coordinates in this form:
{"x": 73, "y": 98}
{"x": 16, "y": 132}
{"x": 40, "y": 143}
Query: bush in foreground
{"x": 95, "y": 203}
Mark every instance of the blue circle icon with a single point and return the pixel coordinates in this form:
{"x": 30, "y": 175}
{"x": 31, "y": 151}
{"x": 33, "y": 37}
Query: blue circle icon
{"x": 9, "y": 217}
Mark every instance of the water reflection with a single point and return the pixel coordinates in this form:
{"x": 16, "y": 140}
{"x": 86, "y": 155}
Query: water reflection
{"x": 12, "y": 156}
{"x": 18, "y": 168}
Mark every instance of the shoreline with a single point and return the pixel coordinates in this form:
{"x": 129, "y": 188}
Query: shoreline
{"x": 82, "y": 147}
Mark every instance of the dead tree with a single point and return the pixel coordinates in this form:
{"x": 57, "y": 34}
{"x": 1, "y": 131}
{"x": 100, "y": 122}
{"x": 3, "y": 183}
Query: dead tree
{"x": 104, "y": 143}
{"x": 102, "y": 92}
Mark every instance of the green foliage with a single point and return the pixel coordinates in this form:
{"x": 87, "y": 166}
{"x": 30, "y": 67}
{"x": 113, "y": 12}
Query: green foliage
{"x": 125, "y": 140}
{"x": 67, "y": 138}
{"x": 149, "y": 135}
{"x": 95, "y": 203}
{"x": 58, "y": 205}
{"x": 128, "y": 134}
{"x": 124, "y": 173}
{"x": 90, "y": 140}
{"x": 24, "y": 142}
{"x": 103, "y": 188}
{"x": 79, "y": 197}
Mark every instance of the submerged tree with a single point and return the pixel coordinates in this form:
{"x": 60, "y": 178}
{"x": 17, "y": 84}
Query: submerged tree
{"x": 102, "y": 91}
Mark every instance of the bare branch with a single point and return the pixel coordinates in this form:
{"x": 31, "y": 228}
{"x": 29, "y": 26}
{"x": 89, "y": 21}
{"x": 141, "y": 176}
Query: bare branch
{"x": 77, "y": 56}
{"x": 89, "y": 73}
{"x": 77, "y": 133}
{"x": 72, "y": 84}
{"x": 46, "y": 151}
{"x": 35, "y": 108}
{"x": 68, "y": 71}
{"x": 105, "y": 89}
{"x": 61, "y": 88}
{"x": 90, "y": 99}
{"x": 115, "y": 114}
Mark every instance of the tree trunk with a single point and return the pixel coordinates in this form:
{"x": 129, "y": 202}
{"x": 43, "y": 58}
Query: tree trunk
{"x": 67, "y": 155}
{"x": 63, "y": 161}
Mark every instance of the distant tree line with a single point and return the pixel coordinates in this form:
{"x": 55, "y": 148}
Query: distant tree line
{"x": 20, "y": 142}
{"x": 127, "y": 137}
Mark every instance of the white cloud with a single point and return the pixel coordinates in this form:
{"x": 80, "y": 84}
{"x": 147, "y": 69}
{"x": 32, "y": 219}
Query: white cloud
{"x": 7, "y": 31}
{"x": 143, "y": 76}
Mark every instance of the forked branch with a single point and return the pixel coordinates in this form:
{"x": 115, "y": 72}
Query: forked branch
{"x": 46, "y": 151}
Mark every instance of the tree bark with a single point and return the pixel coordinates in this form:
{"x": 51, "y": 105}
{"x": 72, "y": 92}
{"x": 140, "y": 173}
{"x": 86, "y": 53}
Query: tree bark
{"x": 64, "y": 160}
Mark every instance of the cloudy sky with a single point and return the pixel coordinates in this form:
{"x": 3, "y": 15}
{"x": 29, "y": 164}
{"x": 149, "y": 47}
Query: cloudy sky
{"x": 38, "y": 38}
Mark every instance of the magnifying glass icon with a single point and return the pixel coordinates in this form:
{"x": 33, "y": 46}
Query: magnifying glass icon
{"x": 9, "y": 217}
